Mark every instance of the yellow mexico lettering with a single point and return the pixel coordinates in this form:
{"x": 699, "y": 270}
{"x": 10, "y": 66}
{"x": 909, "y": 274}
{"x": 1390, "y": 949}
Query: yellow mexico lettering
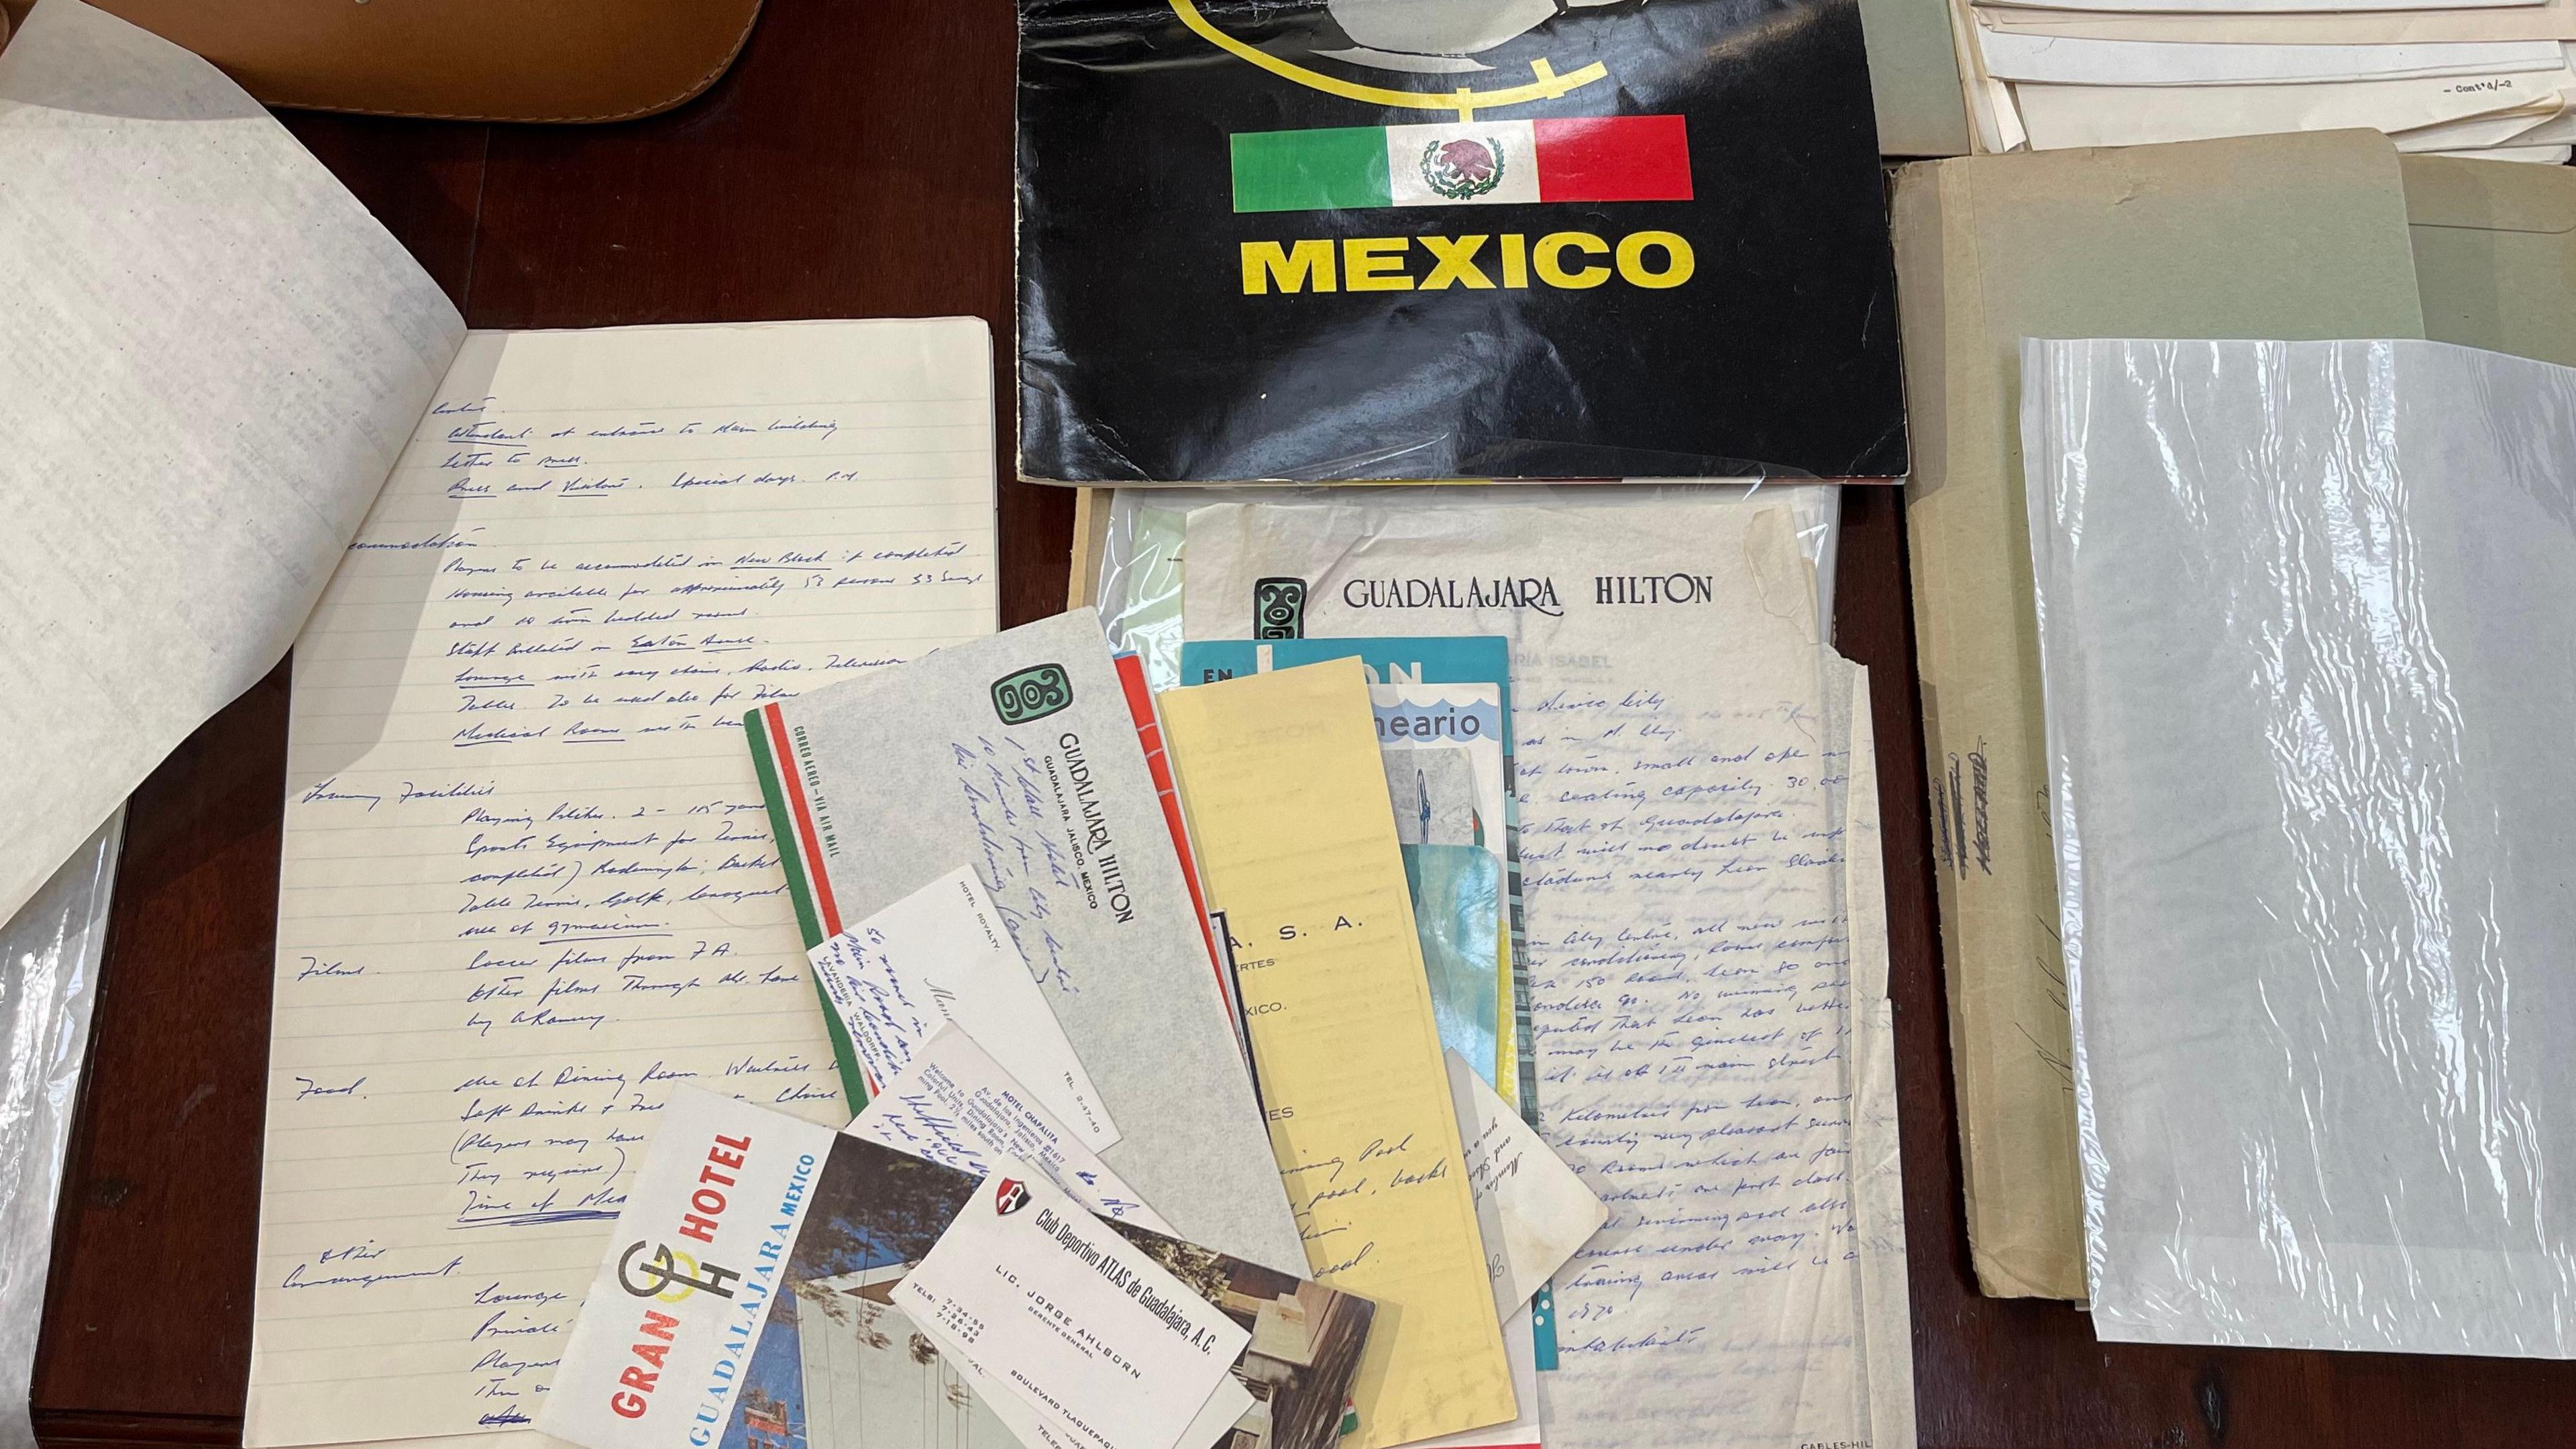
{"x": 1548, "y": 255}
{"x": 1374, "y": 264}
{"x": 1567, "y": 260}
{"x": 1632, "y": 259}
{"x": 1456, "y": 263}
{"x": 1291, "y": 267}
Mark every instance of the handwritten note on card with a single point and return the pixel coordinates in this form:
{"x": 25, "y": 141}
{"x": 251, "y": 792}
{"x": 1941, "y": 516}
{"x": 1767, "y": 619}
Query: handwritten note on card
{"x": 1533, "y": 1209}
{"x": 1021, "y": 755}
{"x": 940, "y": 956}
{"x": 528, "y": 884}
{"x": 956, "y": 1106}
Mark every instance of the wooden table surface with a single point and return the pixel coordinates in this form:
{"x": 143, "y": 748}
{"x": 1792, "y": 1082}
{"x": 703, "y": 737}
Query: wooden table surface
{"x": 857, "y": 163}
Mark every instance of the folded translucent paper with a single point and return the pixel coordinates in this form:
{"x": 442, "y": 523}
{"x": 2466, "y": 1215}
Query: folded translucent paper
{"x": 2304, "y": 614}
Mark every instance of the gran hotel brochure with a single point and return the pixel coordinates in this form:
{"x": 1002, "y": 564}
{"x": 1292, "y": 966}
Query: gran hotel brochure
{"x": 1018, "y": 755}
{"x": 1330, "y": 239}
{"x": 748, "y": 1296}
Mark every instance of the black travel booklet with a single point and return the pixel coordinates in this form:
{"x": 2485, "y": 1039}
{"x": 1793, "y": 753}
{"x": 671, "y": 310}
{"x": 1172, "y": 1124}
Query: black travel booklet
{"x": 1327, "y": 239}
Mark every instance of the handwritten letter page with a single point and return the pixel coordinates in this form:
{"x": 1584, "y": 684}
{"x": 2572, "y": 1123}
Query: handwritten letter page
{"x": 528, "y": 883}
{"x": 1683, "y": 862}
{"x": 1286, "y": 794}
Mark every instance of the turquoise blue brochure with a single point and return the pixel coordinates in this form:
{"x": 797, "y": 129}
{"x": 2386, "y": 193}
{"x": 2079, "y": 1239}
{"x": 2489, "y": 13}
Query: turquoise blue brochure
{"x": 1458, "y": 902}
{"x": 1430, "y": 660}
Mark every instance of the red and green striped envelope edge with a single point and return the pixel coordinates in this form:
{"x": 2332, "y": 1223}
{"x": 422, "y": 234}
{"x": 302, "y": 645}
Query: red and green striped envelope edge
{"x": 1158, "y": 764}
{"x": 800, "y": 855}
{"x": 1463, "y": 163}
{"x": 774, "y": 759}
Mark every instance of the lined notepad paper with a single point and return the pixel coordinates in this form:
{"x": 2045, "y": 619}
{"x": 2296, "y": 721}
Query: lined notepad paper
{"x": 527, "y": 883}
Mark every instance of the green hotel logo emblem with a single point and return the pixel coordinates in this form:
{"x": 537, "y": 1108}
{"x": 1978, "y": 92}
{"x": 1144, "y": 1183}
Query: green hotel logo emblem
{"x": 1278, "y": 608}
{"x": 1033, "y": 693}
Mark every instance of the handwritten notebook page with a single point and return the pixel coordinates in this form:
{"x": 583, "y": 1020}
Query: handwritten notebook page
{"x": 1286, "y": 797}
{"x": 213, "y": 355}
{"x": 1691, "y": 957}
{"x": 528, "y": 883}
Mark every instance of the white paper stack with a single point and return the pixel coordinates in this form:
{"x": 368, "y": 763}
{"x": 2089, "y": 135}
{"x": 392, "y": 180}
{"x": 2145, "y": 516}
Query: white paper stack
{"x": 2490, "y": 80}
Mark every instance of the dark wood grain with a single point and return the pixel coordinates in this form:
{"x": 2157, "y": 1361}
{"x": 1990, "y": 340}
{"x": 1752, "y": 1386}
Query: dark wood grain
{"x": 422, "y": 179}
{"x": 857, "y": 163}
{"x": 161, "y": 1183}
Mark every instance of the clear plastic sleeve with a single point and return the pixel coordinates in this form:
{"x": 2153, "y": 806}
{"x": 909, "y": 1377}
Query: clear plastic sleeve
{"x": 49, "y": 955}
{"x": 1139, "y": 588}
{"x": 2303, "y": 614}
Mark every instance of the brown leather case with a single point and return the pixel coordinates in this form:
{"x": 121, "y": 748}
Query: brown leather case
{"x": 482, "y": 60}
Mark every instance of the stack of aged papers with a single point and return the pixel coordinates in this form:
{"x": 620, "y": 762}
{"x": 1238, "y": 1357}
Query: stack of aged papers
{"x": 1455, "y": 1013}
{"x": 2481, "y": 79}
{"x": 728, "y": 994}
{"x": 1296, "y": 1109}
{"x": 1047, "y": 1030}
{"x": 1705, "y": 948}
{"x": 2294, "y": 236}
{"x": 2273, "y": 236}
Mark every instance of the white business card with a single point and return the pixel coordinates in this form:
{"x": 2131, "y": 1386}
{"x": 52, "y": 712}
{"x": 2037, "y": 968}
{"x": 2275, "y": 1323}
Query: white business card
{"x": 1058, "y": 1309}
{"x": 940, "y": 955}
{"x": 1039, "y": 1427}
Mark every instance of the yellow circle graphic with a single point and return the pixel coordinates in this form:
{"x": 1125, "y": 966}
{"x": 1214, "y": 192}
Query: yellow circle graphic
{"x": 1545, "y": 84}
{"x": 683, "y": 1285}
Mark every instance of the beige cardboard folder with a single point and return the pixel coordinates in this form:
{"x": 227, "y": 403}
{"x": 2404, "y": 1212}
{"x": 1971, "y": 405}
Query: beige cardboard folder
{"x": 2296, "y": 236}
{"x": 1914, "y": 78}
{"x": 2495, "y": 254}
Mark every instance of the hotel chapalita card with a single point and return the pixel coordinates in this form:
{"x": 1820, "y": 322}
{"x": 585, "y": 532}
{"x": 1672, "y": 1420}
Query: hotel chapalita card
{"x": 1451, "y": 238}
{"x": 753, "y": 1286}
